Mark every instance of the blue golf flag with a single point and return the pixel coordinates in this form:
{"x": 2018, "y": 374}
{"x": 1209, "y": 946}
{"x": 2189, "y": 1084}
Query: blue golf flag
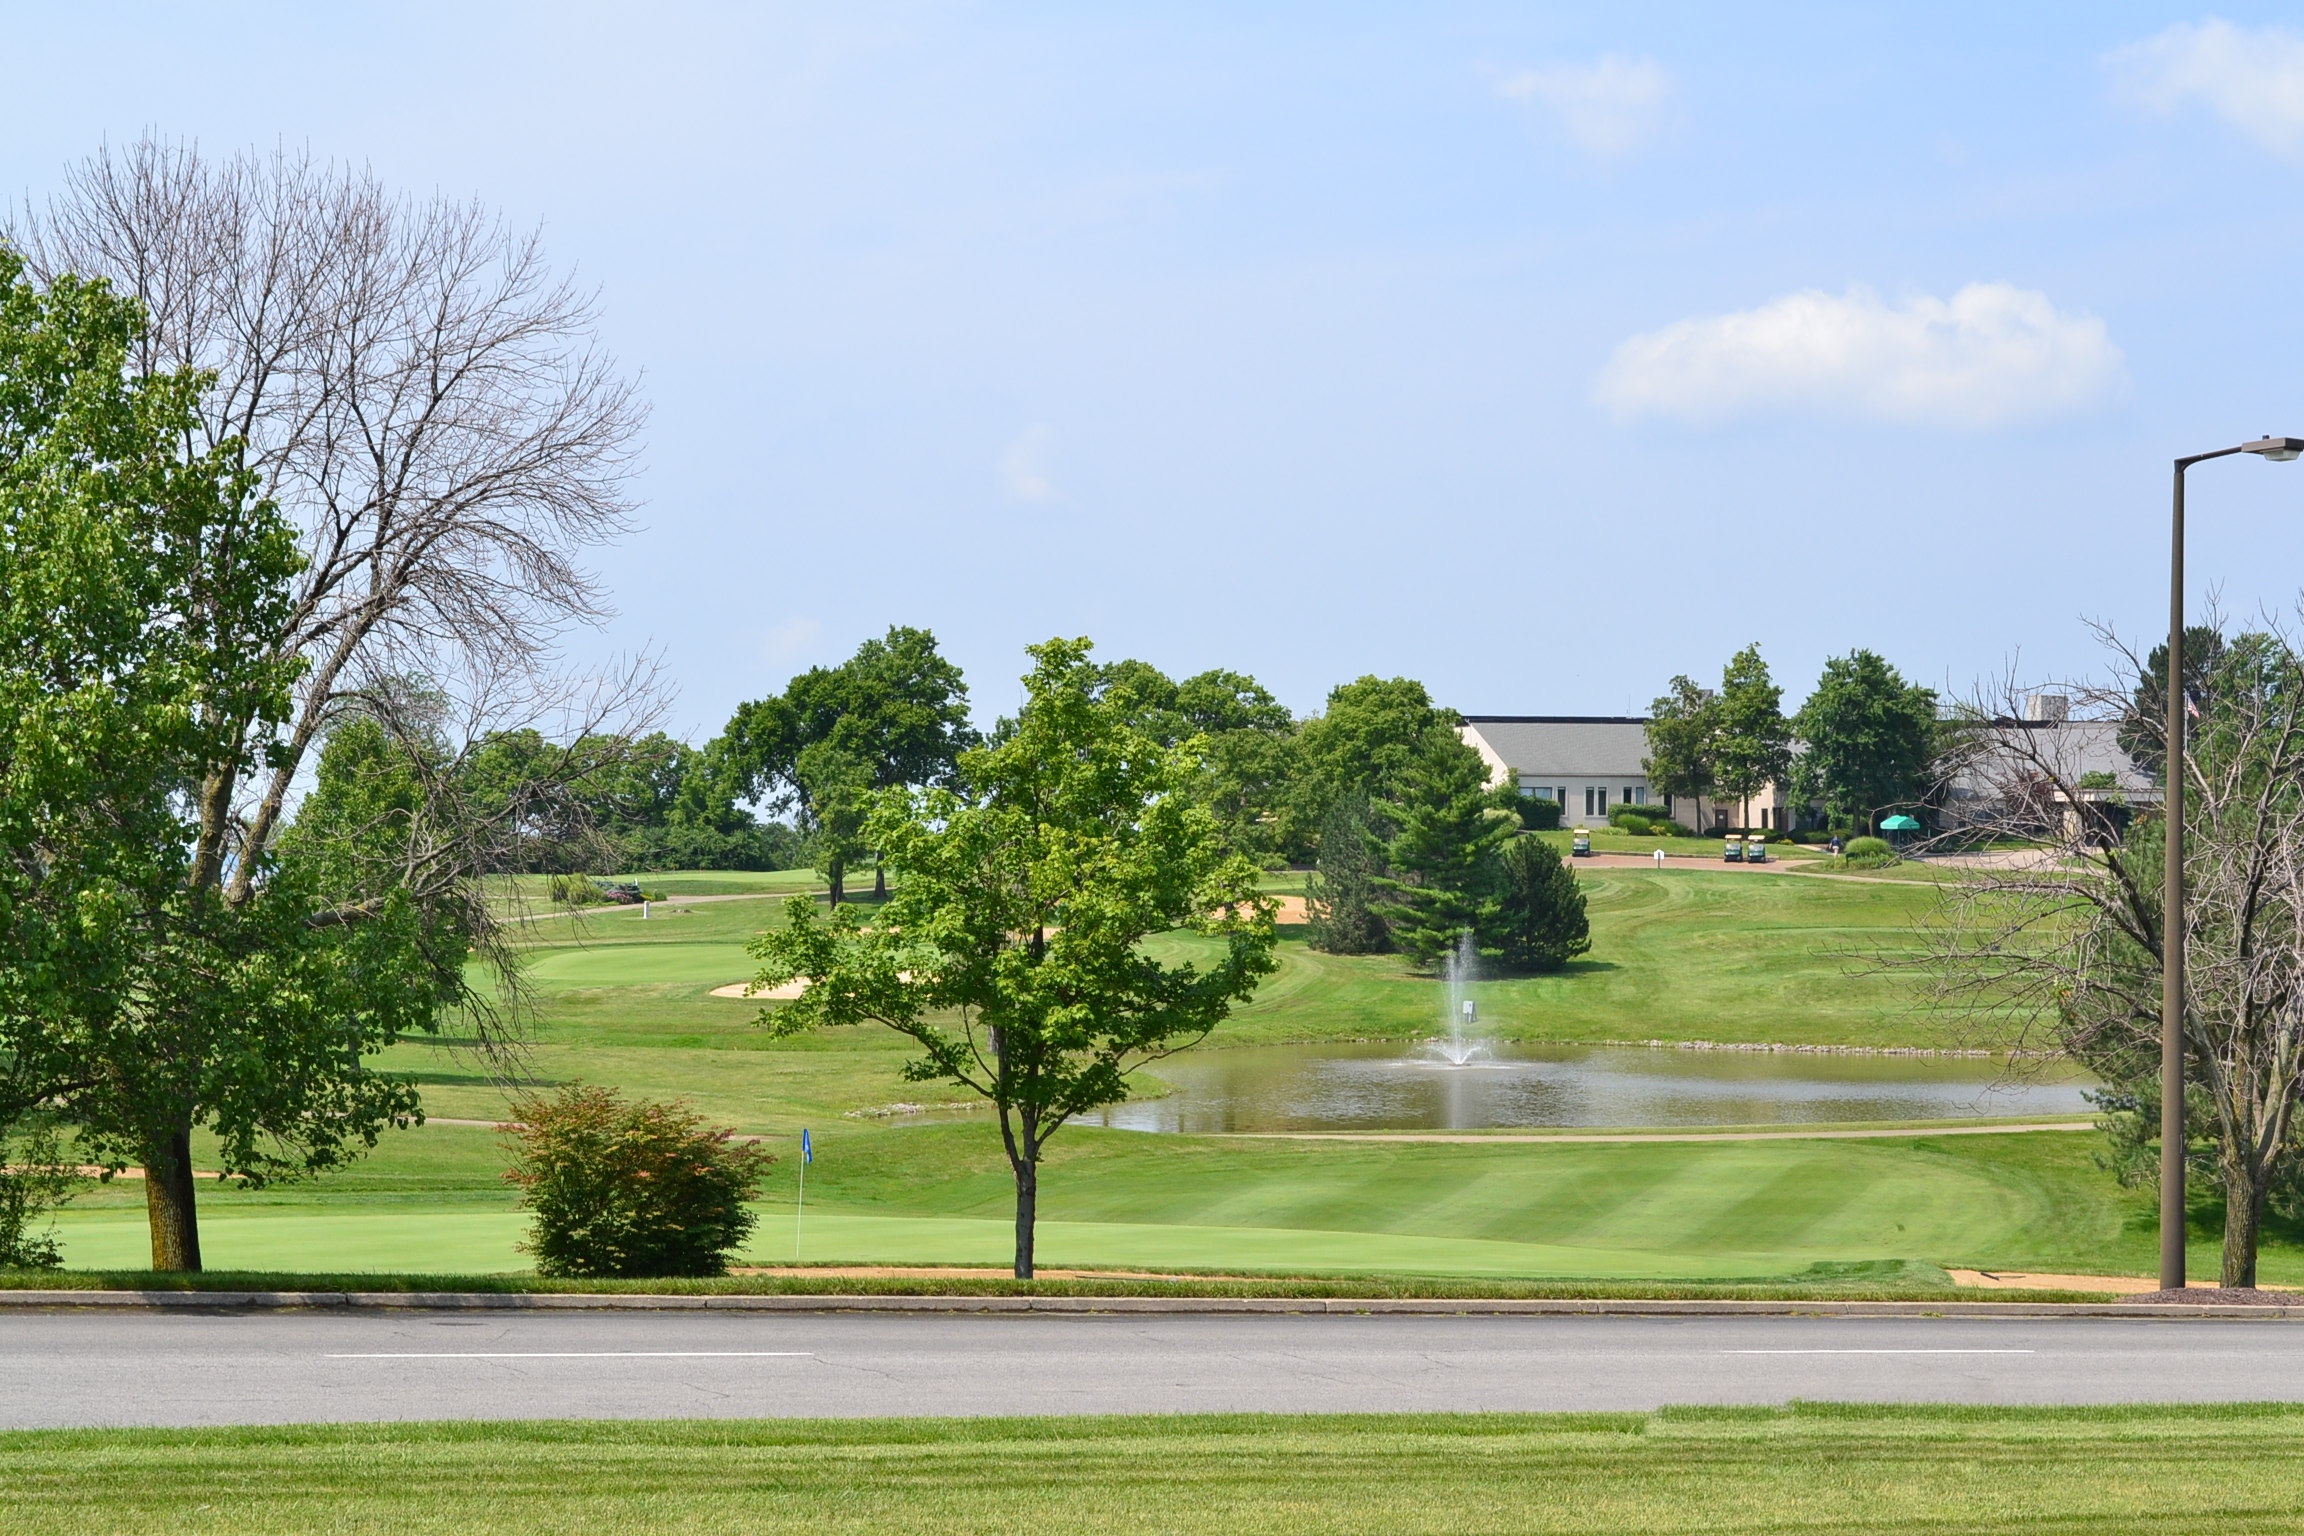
{"x": 807, "y": 1152}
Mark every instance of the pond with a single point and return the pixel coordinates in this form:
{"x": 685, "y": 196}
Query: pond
{"x": 1392, "y": 1088}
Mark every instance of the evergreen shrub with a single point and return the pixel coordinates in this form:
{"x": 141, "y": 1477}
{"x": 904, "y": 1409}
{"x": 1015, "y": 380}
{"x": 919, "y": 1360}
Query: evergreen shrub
{"x": 1340, "y": 895}
{"x": 1540, "y": 815}
{"x": 629, "y": 1190}
{"x": 1539, "y": 922}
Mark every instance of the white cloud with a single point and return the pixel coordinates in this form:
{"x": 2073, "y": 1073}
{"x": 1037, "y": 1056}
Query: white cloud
{"x": 1609, "y": 107}
{"x": 1024, "y": 465}
{"x": 1989, "y": 355}
{"x": 2253, "y": 78}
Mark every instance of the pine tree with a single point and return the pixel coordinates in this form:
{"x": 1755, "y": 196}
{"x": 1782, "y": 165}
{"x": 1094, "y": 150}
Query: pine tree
{"x": 1446, "y": 830}
{"x": 1540, "y": 923}
{"x": 1339, "y": 899}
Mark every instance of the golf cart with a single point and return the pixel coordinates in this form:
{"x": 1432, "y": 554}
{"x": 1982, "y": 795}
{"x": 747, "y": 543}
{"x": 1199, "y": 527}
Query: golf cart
{"x": 1580, "y": 845}
{"x": 1732, "y": 851}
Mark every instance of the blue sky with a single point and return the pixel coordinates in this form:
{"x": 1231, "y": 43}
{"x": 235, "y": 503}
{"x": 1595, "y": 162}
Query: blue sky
{"x": 1539, "y": 352}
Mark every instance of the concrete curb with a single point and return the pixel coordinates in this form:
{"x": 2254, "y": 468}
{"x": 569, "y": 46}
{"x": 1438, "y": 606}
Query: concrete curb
{"x": 483, "y": 1301}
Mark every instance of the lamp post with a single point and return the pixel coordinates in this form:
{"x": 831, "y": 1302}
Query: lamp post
{"x": 2279, "y": 450}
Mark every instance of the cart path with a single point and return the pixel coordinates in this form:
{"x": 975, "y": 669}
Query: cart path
{"x": 1684, "y": 862}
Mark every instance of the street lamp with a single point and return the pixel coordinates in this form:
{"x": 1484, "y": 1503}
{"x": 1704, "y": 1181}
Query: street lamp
{"x": 2280, "y": 450}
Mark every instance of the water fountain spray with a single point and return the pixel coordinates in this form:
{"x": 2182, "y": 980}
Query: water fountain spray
{"x": 1458, "y": 972}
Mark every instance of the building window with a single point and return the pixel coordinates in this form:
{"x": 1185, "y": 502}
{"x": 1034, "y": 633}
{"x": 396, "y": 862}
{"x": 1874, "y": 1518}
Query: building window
{"x": 1587, "y": 799}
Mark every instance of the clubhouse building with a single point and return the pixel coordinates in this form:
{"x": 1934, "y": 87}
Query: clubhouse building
{"x": 1591, "y": 764}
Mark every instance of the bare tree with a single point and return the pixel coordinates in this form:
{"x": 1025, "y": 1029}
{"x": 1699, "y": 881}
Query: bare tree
{"x": 410, "y": 380}
{"x": 424, "y": 396}
{"x": 2061, "y": 933}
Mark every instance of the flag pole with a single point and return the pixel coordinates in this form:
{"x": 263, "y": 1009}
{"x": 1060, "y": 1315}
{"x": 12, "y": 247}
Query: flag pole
{"x": 800, "y": 1206}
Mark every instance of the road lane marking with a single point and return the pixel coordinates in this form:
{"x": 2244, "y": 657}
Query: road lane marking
{"x": 590, "y": 1354}
{"x": 1876, "y": 1351}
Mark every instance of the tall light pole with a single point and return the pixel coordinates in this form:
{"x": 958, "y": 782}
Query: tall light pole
{"x": 2280, "y": 450}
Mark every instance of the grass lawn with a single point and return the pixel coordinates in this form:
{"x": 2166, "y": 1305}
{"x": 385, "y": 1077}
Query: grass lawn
{"x": 1688, "y": 953}
{"x": 1889, "y": 1211}
{"x": 1811, "y": 1467}
{"x": 1679, "y": 955}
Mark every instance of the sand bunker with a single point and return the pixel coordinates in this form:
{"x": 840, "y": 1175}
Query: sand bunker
{"x": 782, "y": 994}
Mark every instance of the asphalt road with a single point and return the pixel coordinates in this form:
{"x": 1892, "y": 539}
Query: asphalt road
{"x": 68, "y": 1368}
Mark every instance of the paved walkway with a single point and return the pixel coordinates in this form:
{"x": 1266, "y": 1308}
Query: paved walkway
{"x": 1684, "y": 862}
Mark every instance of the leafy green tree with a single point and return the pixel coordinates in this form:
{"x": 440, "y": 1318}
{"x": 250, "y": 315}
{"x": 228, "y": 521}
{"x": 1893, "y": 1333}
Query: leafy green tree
{"x": 1870, "y": 739}
{"x": 1446, "y": 831}
{"x": 1754, "y": 746}
{"x": 1145, "y": 695}
{"x": 1340, "y": 897}
{"x": 620, "y": 802}
{"x": 442, "y": 521}
{"x": 1247, "y": 741}
{"x": 1540, "y": 923}
{"x": 140, "y": 584}
{"x": 162, "y": 972}
{"x": 1249, "y": 756}
{"x": 896, "y": 705}
{"x": 1012, "y": 951}
{"x": 259, "y": 1021}
{"x": 1216, "y": 702}
{"x": 838, "y": 791}
{"x": 1683, "y": 745}
{"x": 1366, "y": 737}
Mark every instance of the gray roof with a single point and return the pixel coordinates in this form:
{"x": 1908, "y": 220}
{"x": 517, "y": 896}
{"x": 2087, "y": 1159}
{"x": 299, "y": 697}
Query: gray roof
{"x": 2069, "y": 748}
{"x": 1540, "y": 747}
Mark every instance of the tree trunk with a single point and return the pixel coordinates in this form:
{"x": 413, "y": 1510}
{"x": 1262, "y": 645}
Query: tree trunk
{"x": 879, "y": 881}
{"x": 1027, "y": 1208}
{"x": 169, "y": 1204}
{"x": 2244, "y": 1196}
{"x": 838, "y": 877}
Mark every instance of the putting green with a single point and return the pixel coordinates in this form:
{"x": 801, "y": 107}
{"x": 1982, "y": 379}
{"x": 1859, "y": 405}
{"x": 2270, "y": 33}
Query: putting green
{"x": 641, "y": 965}
{"x": 482, "y": 1242}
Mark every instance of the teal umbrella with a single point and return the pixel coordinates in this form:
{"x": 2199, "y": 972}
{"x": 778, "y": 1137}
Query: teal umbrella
{"x": 1899, "y": 824}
